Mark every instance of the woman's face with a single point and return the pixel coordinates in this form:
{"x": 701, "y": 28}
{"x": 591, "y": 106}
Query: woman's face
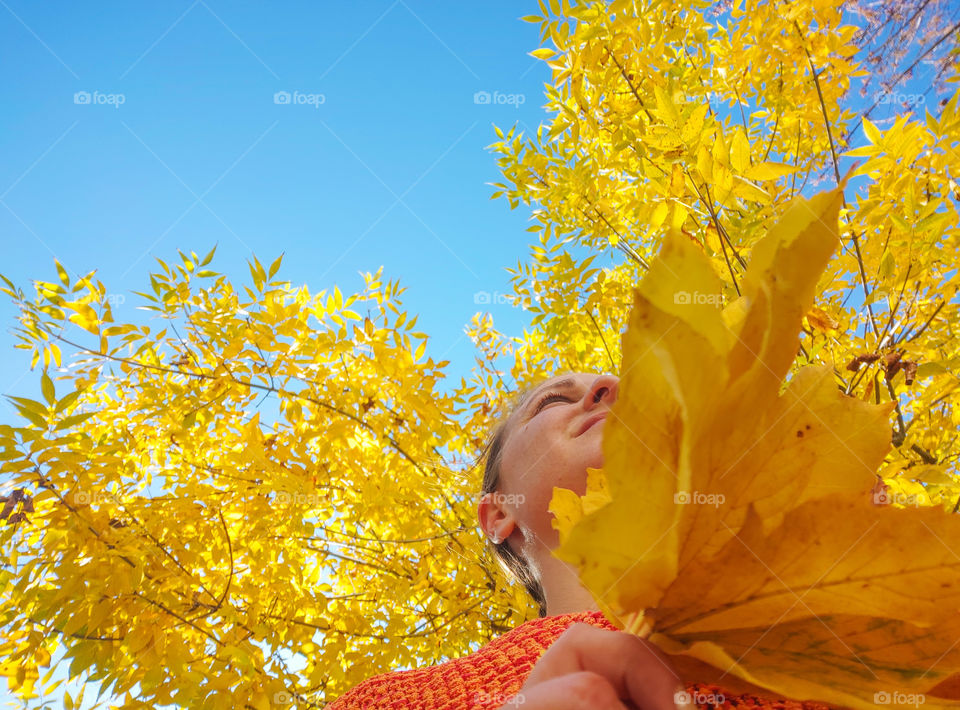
{"x": 552, "y": 437}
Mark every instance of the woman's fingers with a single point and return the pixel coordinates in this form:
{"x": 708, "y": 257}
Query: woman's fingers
{"x": 634, "y": 668}
{"x": 574, "y": 691}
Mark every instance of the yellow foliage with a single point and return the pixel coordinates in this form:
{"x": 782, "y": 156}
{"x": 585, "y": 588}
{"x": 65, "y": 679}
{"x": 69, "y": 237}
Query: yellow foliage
{"x": 168, "y": 538}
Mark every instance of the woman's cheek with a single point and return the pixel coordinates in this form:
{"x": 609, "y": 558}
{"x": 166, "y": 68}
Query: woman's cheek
{"x": 540, "y": 510}
{"x": 539, "y": 503}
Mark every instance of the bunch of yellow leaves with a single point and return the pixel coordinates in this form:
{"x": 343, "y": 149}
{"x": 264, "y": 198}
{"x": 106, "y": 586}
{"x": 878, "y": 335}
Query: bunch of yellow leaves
{"x": 734, "y": 520}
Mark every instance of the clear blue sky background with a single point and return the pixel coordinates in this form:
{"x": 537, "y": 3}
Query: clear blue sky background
{"x": 389, "y": 170}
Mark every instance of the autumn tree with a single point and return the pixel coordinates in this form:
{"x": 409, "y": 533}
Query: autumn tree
{"x": 262, "y": 495}
{"x": 171, "y": 538}
{"x": 664, "y": 119}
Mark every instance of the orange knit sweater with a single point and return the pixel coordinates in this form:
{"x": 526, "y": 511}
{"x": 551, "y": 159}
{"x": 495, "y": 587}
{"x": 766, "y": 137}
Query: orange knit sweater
{"x": 489, "y": 677}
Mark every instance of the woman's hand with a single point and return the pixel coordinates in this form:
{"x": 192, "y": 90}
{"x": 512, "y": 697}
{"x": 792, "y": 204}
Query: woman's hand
{"x": 587, "y": 667}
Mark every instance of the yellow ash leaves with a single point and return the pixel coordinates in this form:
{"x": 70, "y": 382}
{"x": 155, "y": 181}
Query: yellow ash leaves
{"x": 821, "y": 320}
{"x": 224, "y": 532}
{"x": 734, "y": 520}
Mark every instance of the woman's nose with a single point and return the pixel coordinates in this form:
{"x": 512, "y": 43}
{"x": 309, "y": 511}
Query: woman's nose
{"x": 602, "y": 389}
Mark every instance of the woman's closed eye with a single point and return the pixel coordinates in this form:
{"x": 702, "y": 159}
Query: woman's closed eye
{"x": 548, "y": 398}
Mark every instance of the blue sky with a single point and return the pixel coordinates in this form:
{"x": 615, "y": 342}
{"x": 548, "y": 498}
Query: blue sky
{"x": 377, "y": 159}
{"x": 130, "y": 131}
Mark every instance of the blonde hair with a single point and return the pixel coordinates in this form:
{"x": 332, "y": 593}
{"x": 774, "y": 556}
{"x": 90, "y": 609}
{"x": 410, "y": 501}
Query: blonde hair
{"x": 513, "y": 562}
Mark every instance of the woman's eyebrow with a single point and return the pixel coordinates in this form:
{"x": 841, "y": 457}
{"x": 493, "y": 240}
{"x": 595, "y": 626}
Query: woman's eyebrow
{"x": 565, "y": 383}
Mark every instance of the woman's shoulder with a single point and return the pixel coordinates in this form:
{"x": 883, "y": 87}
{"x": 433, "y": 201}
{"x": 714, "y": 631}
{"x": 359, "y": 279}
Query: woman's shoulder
{"x": 495, "y": 672}
{"x": 486, "y": 678}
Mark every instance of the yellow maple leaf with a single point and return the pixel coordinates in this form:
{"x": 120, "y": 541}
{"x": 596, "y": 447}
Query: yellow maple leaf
{"x": 568, "y": 507}
{"x": 741, "y": 529}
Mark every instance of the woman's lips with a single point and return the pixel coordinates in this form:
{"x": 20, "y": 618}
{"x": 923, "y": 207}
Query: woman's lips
{"x": 590, "y": 421}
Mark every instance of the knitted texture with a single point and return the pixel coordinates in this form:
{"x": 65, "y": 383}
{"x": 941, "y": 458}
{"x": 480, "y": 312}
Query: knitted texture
{"x": 493, "y": 674}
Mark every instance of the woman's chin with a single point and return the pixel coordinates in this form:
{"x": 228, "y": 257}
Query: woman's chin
{"x": 596, "y": 461}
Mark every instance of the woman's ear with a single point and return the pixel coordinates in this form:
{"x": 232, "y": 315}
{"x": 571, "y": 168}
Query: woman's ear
{"x": 496, "y": 521}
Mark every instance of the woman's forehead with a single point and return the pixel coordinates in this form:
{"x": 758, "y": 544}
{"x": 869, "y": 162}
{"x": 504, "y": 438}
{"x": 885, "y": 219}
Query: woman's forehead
{"x": 575, "y": 378}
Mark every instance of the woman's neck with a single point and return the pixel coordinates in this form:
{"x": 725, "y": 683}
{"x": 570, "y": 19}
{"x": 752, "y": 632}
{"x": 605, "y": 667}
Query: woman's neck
{"x": 561, "y": 586}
